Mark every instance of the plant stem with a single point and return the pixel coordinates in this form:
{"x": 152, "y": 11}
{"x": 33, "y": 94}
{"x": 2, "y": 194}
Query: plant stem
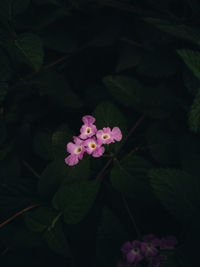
{"x": 131, "y": 217}
{"x": 19, "y": 213}
{"x": 139, "y": 121}
{"x": 31, "y": 169}
{"x": 31, "y": 75}
{"x": 104, "y": 168}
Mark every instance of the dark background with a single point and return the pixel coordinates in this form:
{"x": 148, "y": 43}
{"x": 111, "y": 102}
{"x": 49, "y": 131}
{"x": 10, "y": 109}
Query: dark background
{"x": 121, "y": 61}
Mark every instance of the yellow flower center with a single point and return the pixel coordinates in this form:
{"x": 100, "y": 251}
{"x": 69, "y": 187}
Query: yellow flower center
{"x": 88, "y": 130}
{"x": 93, "y": 146}
{"x": 78, "y": 150}
{"x": 105, "y": 136}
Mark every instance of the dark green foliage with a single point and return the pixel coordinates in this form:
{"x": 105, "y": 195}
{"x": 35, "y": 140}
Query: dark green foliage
{"x": 108, "y": 115}
{"x": 194, "y": 114}
{"x": 130, "y": 177}
{"x": 74, "y": 200}
{"x": 47, "y": 221}
{"x": 162, "y": 144}
{"x": 110, "y": 236}
{"x": 179, "y": 31}
{"x": 52, "y": 176}
{"x": 42, "y": 145}
{"x": 124, "y": 89}
{"x": 129, "y": 57}
{"x": 191, "y": 59}
{"x": 29, "y": 49}
{"x": 177, "y": 190}
{"x": 131, "y": 64}
{"x": 58, "y": 90}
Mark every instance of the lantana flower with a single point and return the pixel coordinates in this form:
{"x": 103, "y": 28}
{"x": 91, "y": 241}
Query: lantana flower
{"x": 147, "y": 250}
{"x": 106, "y": 136}
{"x": 88, "y": 129}
{"x": 93, "y": 146}
{"x": 132, "y": 251}
{"x": 76, "y": 150}
{"x": 90, "y": 141}
{"x": 148, "y": 246}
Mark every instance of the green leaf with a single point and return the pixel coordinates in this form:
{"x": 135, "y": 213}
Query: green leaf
{"x": 129, "y": 57}
{"x": 51, "y": 177}
{"x": 108, "y": 115}
{"x": 76, "y": 199}
{"x": 15, "y": 194}
{"x": 56, "y": 240}
{"x": 190, "y": 81}
{"x": 130, "y": 177}
{"x": 125, "y": 90}
{"x": 162, "y": 144}
{"x": 194, "y": 114}
{"x": 177, "y": 190}
{"x": 3, "y": 91}
{"x": 192, "y": 59}
{"x": 60, "y": 138}
{"x": 40, "y": 219}
{"x": 158, "y": 63}
{"x": 42, "y": 145}
{"x": 92, "y": 99}
{"x": 30, "y": 50}
{"x": 181, "y": 31}
{"x": 158, "y": 102}
{"x": 58, "y": 90}
{"x": 11, "y": 8}
{"x": 110, "y": 237}
{"x": 79, "y": 172}
{"x": 46, "y": 220}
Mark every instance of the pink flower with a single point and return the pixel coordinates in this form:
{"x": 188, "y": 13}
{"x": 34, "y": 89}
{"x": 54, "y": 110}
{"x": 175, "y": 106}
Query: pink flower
{"x": 92, "y": 146}
{"x": 148, "y": 249}
{"x": 132, "y": 251}
{"x": 88, "y": 129}
{"x": 106, "y": 136}
{"x": 76, "y": 150}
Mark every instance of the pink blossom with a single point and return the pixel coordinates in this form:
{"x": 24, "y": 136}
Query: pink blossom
{"x": 93, "y": 146}
{"x": 88, "y": 129}
{"x": 76, "y": 150}
{"x": 106, "y": 136}
{"x": 132, "y": 251}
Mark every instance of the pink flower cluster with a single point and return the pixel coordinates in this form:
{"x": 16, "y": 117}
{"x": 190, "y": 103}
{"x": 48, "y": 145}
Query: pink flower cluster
{"x": 90, "y": 141}
{"x": 147, "y": 250}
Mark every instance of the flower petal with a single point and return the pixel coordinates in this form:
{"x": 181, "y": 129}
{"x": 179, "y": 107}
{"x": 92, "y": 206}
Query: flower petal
{"x": 88, "y": 119}
{"x": 98, "y": 152}
{"x": 71, "y": 147}
{"x": 116, "y": 134}
{"x": 71, "y": 160}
